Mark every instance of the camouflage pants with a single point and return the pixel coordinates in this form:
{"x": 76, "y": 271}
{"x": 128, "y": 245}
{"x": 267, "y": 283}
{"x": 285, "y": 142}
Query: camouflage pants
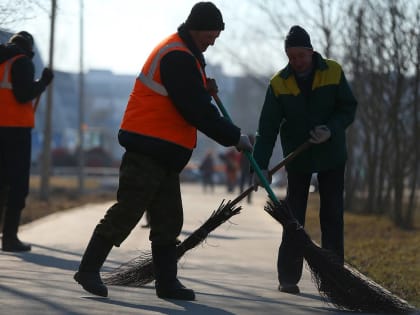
{"x": 144, "y": 184}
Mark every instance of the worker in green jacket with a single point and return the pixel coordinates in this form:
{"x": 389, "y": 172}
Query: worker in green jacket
{"x": 309, "y": 99}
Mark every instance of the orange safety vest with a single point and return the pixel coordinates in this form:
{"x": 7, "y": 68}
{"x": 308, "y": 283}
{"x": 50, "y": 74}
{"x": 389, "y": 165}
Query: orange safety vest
{"x": 150, "y": 111}
{"x": 13, "y": 113}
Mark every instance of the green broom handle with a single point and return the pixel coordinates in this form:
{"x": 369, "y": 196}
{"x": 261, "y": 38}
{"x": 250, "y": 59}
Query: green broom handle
{"x": 282, "y": 163}
{"x": 249, "y": 155}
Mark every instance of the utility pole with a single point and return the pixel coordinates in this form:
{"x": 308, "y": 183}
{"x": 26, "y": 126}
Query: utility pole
{"x": 46, "y": 152}
{"x": 81, "y": 158}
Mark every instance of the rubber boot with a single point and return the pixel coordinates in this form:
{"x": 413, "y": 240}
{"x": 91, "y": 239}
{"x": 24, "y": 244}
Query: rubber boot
{"x": 165, "y": 270}
{"x": 94, "y": 257}
{"x": 10, "y": 240}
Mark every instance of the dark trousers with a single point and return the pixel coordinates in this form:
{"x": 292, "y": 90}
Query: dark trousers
{"x": 207, "y": 181}
{"x": 144, "y": 184}
{"x": 15, "y": 161}
{"x": 331, "y": 189}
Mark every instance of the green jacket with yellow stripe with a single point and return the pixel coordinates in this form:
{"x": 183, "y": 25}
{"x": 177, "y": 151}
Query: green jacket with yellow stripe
{"x": 288, "y": 112}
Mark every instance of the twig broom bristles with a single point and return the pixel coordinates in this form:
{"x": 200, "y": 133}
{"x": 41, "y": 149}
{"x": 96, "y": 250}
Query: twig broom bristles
{"x": 340, "y": 285}
{"x": 139, "y": 271}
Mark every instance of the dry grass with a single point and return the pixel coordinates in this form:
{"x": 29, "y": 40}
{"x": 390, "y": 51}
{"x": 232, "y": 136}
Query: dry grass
{"x": 63, "y": 196}
{"x": 64, "y": 182}
{"x": 61, "y": 200}
{"x": 386, "y": 254}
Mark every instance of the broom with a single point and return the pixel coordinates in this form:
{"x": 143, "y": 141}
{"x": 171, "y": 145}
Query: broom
{"x": 139, "y": 271}
{"x": 340, "y": 285}
{"x": 343, "y": 286}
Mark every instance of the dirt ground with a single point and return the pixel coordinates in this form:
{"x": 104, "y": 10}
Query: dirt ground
{"x": 63, "y": 195}
{"x": 59, "y": 201}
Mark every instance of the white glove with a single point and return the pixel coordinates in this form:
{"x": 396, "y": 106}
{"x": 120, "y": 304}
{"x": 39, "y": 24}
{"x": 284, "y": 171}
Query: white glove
{"x": 244, "y": 144}
{"x": 256, "y": 180}
{"x": 319, "y": 134}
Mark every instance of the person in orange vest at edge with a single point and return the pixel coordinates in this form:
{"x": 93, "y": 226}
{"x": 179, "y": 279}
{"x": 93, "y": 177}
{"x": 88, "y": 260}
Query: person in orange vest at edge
{"x": 170, "y": 101}
{"x": 18, "y": 89}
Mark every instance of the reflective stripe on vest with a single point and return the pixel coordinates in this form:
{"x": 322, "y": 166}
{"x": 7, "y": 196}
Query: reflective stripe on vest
{"x": 147, "y": 79}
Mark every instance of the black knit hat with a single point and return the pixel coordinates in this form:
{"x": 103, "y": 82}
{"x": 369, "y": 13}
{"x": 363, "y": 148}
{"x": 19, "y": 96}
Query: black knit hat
{"x": 24, "y": 40}
{"x": 205, "y": 16}
{"x": 297, "y": 37}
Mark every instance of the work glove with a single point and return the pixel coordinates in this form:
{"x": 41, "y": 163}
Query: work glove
{"x": 212, "y": 87}
{"x": 244, "y": 144}
{"x": 256, "y": 180}
{"x": 47, "y": 76}
{"x": 319, "y": 134}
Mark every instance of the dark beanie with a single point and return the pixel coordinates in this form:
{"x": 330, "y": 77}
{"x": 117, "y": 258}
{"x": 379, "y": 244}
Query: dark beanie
{"x": 205, "y": 16}
{"x": 24, "y": 40}
{"x": 297, "y": 37}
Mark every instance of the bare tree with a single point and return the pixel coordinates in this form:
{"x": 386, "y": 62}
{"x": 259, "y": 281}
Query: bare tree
{"x": 414, "y": 173}
{"x": 388, "y": 105}
{"x": 327, "y": 21}
{"x": 356, "y": 35}
{"x": 46, "y": 156}
{"x": 13, "y": 12}
{"x": 257, "y": 45}
{"x": 378, "y": 44}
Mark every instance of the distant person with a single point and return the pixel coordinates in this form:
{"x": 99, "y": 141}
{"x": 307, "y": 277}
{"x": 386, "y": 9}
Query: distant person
{"x": 308, "y": 99}
{"x": 169, "y": 102}
{"x": 18, "y": 90}
{"x": 207, "y": 168}
{"x": 245, "y": 179}
{"x": 231, "y": 160}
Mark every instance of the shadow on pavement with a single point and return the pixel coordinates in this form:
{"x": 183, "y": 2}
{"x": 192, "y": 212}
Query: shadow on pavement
{"x": 53, "y": 307}
{"x": 50, "y": 261}
{"x": 189, "y": 307}
{"x": 53, "y": 259}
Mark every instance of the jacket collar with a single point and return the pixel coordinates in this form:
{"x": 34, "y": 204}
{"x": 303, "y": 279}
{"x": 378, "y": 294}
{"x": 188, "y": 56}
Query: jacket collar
{"x": 186, "y": 37}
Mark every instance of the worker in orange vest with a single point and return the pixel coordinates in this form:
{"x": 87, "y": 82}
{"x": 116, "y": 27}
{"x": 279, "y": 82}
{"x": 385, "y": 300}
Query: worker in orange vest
{"x": 170, "y": 101}
{"x": 17, "y": 93}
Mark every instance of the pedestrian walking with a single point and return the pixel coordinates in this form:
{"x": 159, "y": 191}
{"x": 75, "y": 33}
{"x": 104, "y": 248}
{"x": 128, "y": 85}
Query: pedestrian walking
{"x": 18, "y": 90}
{"x": 231, "y": 159}
{"x": 309, "y": 99}
{"x": 170, "y": 101}
{"x": 245, "y": 178}
{"x": 207, "y": 169}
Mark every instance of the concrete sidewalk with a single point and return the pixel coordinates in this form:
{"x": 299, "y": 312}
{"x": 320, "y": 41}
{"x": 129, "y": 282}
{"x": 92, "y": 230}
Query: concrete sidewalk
{"x": 234, "y": 272}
